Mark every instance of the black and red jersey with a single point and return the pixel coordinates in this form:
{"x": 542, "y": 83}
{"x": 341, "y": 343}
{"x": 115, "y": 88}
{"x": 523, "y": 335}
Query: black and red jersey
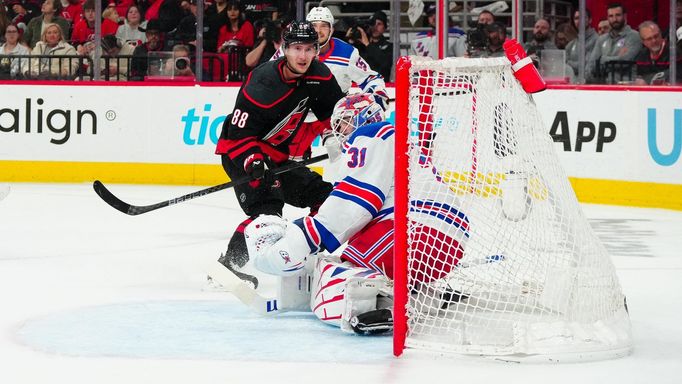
{"x": 269, "y": 111}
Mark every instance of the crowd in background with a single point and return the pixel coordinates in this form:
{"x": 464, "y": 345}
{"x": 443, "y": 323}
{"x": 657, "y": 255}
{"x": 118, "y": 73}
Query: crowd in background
{"x": 54, "y": 39}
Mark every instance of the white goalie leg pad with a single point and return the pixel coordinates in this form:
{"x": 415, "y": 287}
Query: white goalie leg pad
{"x": 361, "y": 297}
{"x": 294, "y": 291}
{"x": 341, "y": 291}
{"x": 285, "y": 256}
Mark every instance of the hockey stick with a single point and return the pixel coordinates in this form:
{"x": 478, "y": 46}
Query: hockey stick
{"x": 242, "y": 290}
{"x": 134, "y": 210}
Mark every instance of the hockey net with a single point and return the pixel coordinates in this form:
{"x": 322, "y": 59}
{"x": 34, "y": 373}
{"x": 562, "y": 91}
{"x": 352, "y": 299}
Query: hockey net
{"x": 493, "y": 254}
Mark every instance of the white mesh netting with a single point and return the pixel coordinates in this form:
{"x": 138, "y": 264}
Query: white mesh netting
{"x": 501, "y": 260}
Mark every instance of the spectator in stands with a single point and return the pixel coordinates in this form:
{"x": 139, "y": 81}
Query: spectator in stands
{"x": 376, "y": 49}
{"x": 653, "y": 63}
{"x": 132, "y": 30}
{"x": 186, "y": 31}
{"x": 572, "y": 52}
{"x": 268, "y": 43}
{"x": 497, "y": 35}
{"x": 114, "y": 63}
{"x": 73, "y": 11}
{"x": 179, "y": 65}
{"x": 215, "y": 16}
{"x": 603, "y": 27}
{"x": 486, "y": 17}
{"x": 111, "y": 13}
{"x": 4, "y": 21}
{"x": 541, "y": 38}
{"x": 621, "y": 43}
{"x": 139, "y": 65}
{"x": 426, "y": 43}
{"x": 356, "y": 35}
{"x": 52, "y": 43}
{"x": 122, "y": 7}
{"x": 237, "y": 32}
{"x": 14, "y": 45}
{"x": 563, "y": 34}
{"x": 84, "y": 31}
{"x": 21, "y": 13}
{"x": 50, "y": 11}
{"x": 170, "y": 14}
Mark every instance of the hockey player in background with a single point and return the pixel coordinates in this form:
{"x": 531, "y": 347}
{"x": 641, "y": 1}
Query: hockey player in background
{"x": 343, "y": 60}
{"x": 353, "y": 291}
{"x": 265, "y": 131}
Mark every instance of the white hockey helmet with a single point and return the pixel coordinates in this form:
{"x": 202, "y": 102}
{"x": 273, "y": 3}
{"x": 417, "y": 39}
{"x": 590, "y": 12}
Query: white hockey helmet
{"x": 321, "y": 14}
{"x": 352, "y": 112}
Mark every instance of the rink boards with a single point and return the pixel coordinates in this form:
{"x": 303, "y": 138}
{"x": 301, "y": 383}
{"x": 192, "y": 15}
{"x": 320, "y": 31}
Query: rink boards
{"x": 618, "y": 147}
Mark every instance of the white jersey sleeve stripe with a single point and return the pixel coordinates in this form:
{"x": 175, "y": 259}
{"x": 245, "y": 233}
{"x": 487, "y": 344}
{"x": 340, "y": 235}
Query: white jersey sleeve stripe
{"x": 366, "y": 195}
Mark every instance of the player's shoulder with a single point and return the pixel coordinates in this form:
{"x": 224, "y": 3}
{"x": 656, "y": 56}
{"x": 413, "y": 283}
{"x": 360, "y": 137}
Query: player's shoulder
{"x": 423, "y": 34}
{"x": 264, "y": 86}
{"x": 456, "y": 32}
{"x": 382, "y": 130}
{"x": 342, "y": 48}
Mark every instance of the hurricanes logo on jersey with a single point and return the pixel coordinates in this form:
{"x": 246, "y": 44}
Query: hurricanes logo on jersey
{"x": 285, "y": 128}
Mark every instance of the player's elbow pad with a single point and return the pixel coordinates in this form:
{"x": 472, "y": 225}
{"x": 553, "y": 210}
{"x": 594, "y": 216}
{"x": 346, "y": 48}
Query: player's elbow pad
{"x": 287, "y": 256}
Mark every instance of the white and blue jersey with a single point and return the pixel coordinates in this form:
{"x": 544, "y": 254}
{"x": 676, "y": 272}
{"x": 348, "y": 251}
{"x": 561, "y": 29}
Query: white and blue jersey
{"x": 363, "y": 195}
{"x": 426, "y": 43}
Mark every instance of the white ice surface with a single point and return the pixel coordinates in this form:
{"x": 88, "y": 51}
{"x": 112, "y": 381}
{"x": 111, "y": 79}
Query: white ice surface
{"x": 90, "y": 295}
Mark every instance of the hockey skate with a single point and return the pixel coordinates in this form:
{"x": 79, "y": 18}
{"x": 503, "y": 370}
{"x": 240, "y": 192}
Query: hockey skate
{"x": 377, "y": 321}
{"x": 373, "y": 322}
{"x": 235, "y": 258}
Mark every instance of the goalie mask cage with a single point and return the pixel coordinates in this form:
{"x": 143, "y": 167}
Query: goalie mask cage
{"x": 505, "y": 264}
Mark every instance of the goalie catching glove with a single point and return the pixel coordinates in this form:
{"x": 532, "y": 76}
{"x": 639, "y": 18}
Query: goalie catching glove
{"x": 276, "y": 246}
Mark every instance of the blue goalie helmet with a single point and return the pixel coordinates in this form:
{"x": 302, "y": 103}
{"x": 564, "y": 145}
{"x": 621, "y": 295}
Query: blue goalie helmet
{"x": 354, "y": 111}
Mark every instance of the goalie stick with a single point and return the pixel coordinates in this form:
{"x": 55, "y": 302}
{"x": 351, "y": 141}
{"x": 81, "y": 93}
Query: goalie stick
{"x": 134, "y": 210}
{"x": 242, "y": 290}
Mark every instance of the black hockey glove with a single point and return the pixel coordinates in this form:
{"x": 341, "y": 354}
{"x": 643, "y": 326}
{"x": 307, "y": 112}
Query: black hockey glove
{"x": 254, "y": 166}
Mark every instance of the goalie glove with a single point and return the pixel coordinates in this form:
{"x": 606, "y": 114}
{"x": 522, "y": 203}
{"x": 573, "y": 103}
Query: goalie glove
{"x": 263, "y": 232}
{"x": 275, "y": 246}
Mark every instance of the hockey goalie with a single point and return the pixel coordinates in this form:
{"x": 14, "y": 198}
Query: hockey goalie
{"x": 351, "y": 285}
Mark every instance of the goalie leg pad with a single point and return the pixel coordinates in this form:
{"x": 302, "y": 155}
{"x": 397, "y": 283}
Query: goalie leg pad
{"x": 294, "y": 292}
{"x": 333, "y": 301}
